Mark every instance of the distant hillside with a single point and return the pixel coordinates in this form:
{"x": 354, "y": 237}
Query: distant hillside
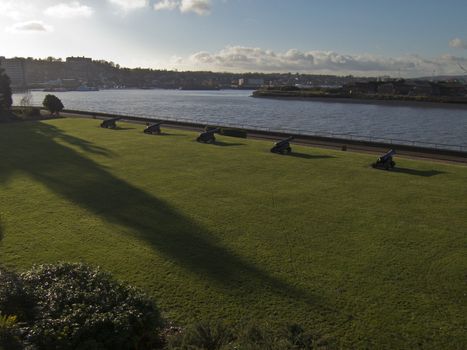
{"x": 446, "y": 77}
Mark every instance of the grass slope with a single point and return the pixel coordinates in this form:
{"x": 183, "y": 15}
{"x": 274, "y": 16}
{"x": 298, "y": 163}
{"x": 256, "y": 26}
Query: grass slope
{"x": 365, "y": 258}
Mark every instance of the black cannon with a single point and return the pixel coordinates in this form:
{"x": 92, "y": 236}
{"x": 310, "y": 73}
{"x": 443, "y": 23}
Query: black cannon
{"x": 109, "y": 123}
{"x": 283, "y": 146}
{"x": 208, "y": 136}
{"x": 385, "y": 161}
{"x": 153, "y": 129}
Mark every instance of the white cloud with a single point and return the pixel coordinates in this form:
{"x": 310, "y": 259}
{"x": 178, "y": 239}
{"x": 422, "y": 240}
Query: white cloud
{"x": 200, "y": 7}
{"x": 128, "y": 5}
{"x": 31, "y": 27}
{"x": 17, "y": 10}
{"x": 69, "y": 10}
{"x": 240, "y": 58}
{"x": 166, "y": 5}
{"x": 458, "y": 43}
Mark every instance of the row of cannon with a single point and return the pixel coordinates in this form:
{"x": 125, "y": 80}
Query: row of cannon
{"x": 281, "y": 147}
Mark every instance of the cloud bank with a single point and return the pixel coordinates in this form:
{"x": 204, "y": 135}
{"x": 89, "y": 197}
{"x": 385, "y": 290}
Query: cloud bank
{"x": 200, "y": 7}
{"x": 69, "y": 10}
{"x": 241, "y": 58}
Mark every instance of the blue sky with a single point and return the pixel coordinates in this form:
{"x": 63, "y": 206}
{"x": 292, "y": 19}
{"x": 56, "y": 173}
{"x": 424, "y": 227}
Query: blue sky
{"x": 359, "y": 37}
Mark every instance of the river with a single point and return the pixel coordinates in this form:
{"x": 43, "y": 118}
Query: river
{"x": 416, "y": 123}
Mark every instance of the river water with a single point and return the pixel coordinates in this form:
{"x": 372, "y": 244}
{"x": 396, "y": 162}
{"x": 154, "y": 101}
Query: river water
{"x": 407, "y": 122}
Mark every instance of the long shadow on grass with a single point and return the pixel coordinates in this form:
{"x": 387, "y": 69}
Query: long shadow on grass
{"x": 415, "y": 172}
{"x": 228, "y": 144}
{"x": 308, "y": 156}
{"x": 84, "y": 182}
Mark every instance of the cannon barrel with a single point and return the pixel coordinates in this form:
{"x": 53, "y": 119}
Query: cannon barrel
{"x": 284, "y": 141}
{"x": 388, "y": 154}
{"x": 154, "y": 126}
{"x": 211, "y": 131}
{"x": 112, "y": 120}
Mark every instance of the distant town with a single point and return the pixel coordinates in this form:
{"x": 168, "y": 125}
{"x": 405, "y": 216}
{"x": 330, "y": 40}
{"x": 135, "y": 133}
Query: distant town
{"x": 86, "y": 74}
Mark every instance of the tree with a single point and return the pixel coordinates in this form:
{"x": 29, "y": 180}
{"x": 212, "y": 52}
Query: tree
{"x": 5, "y": 91}
{"x": 53, "y": 104}
{"x": 26, "y": 100}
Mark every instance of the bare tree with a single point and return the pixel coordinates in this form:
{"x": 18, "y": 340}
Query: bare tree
{"x": 26, "y": 100}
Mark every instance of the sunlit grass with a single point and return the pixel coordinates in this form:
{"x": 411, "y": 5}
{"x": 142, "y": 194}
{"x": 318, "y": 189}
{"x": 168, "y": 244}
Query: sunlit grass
{"x": 363, "y": 257}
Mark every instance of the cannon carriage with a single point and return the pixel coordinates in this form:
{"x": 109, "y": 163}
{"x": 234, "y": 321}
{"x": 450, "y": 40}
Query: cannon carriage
{"x": 110, "y": 123}
{"x": 283, "y": 146}
{"x": 385, "y": 161}
{"x": 208, "y": 136}
{"x": 153, "y": 129}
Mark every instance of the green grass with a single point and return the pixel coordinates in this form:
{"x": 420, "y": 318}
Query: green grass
{"x": 365, "y": 258}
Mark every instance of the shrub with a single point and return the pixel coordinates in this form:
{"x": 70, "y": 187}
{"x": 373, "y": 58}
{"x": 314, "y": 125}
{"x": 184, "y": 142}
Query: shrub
{"x": 81, "y": 307}
{"x": 9, "y": 333}
{"x": 53, "y": 104}
{"x": 30, "y": 113}
{"x": 14, "y": 300}
{"x": 78, "y": 307}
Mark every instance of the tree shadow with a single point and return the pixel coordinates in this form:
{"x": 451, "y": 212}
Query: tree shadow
{"x": 85, "y": 146}
{"x": 415, "y": 172}
{"x": 308, "y": 156}
{"x": 87, "y": 184}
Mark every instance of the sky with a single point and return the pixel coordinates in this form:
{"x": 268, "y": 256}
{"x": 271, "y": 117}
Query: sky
{"x": 406, "y": 38}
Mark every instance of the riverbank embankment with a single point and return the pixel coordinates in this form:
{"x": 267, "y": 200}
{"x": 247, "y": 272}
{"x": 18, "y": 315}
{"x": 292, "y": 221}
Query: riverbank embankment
{"x": 307, "y": 140}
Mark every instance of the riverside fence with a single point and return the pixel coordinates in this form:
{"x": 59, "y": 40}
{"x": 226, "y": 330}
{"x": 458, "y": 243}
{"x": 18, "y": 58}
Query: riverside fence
{"x": 342, "y": 137}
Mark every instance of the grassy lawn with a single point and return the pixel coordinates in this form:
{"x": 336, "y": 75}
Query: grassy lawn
{"x": 365, "y": 258}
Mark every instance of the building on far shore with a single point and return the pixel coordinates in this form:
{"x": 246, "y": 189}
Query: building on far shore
{"x": 15, "y": 69}
{"x": 79, "y": 60}
{"x": 250, "y": 83}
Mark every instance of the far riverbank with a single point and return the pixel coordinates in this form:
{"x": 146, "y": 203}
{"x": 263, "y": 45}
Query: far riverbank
{"x": 428, "y": 102}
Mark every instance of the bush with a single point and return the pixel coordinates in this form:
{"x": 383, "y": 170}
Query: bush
{"x": 9, "y": 333}
{"x": 14, "y": 300}
{"x": 53, "y": 104}
{"x": 30, "y": 112}
{"x": 78, "y": 307}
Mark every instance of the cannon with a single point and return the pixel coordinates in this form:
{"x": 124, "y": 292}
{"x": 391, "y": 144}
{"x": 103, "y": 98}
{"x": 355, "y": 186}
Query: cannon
{"x": 385, "y": 161}
{"x": 154, "y": 129}
{"x": 109, "y": 123}
{"x": 208, "y": 136}
{"x": 283, "y": 146}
